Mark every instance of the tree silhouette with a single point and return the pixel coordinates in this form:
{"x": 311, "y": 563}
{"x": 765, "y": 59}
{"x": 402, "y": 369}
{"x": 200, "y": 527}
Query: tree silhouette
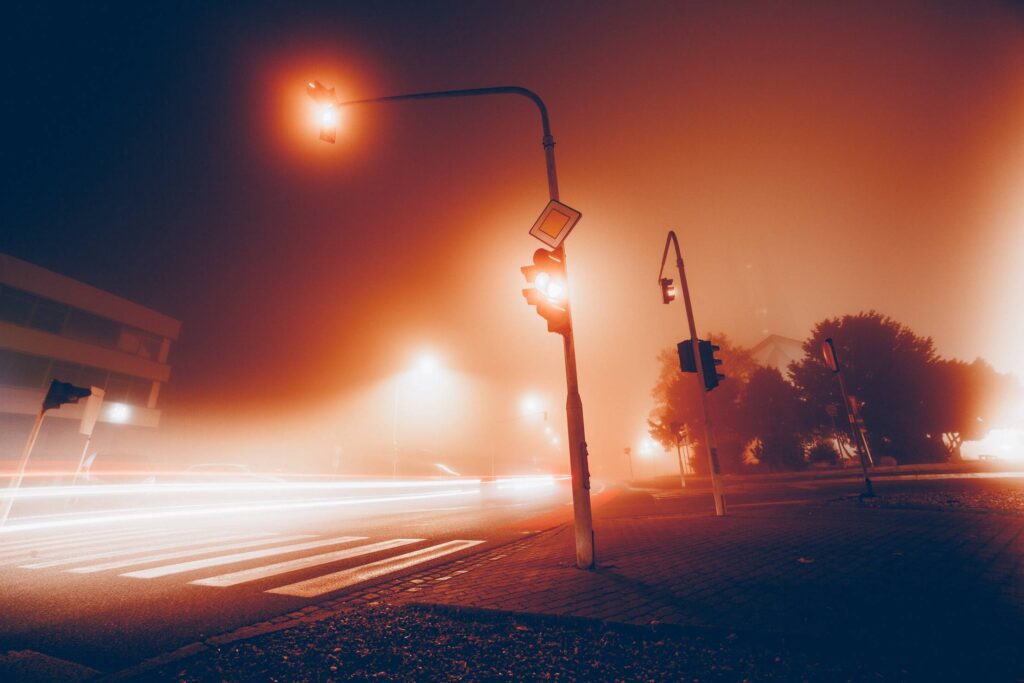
{"x": 973, "y": 399}
{"x": 677, "y": 400}
{"x": 891, "y": 371}
{"x": 771, "y": 414}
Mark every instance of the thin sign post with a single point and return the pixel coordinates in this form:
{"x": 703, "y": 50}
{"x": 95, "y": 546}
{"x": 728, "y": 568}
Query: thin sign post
{"x": 828, "y": 352}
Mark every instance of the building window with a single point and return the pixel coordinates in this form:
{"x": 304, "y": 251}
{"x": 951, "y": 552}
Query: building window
{"x": 139, "y": 343}
{"x": 23, "y": 370}
{"x": 29, "y": 310}
{"x": 92, "y": 329}
{"x": 15, "y": 305}
{"x": 48, "y": 316}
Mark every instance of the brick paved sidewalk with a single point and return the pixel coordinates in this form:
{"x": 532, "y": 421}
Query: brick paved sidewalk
{"x": 933, "y": 587}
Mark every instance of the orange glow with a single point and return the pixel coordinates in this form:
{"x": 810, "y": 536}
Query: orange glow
{"x": 292, "y": 121}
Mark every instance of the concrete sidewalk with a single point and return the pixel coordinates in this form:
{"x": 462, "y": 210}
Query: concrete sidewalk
{"x": 937, "y": 591}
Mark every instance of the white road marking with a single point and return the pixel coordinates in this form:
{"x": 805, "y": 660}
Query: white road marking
{"x": 54, "y": 538}
{"x": 216, "y": 561}
{"x": 177, "y": 555}
{"x": 348, "y": 577}
{"x": 62, "y": 550}
{"x": 137, "y": 549}
{"x": 255, "y": 573}
{"x": 52, "y": 542}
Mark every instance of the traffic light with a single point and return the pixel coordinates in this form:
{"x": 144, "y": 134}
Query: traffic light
{"x": 687, "y": 363}
{"x": 548, "y": 289}
{"x": 63, "y": 392}
{"x": 327, "y": 101}
{"x": 668, "y": 290}
{"x": 708, "y": 362}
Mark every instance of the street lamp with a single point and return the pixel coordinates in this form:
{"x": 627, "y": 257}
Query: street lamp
{"x": 425, "y": 366}
{"x": 325, "y": 97}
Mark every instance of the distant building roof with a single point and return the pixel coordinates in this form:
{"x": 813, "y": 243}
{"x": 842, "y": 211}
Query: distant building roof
{"x": 776, "y": 351}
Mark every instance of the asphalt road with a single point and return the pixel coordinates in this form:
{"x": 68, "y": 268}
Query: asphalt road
{"x": 157, "y": 575}
{"x": 113, "y": 592}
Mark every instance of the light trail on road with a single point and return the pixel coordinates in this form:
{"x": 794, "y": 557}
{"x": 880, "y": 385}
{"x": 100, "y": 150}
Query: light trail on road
{"x": 147, "y": 513}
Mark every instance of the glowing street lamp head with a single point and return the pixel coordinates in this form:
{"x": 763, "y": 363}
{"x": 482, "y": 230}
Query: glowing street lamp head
{"x": 427, "y": 364}
{"x": 530, "y": 405}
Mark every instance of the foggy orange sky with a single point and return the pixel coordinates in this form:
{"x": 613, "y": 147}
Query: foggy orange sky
{"x": 815, "y": 160}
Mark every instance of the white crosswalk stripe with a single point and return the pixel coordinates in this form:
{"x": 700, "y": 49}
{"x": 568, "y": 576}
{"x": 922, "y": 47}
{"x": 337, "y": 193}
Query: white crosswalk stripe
{"x": 60, "y": 549}
{"x": 255, "y": 573}
{"x": 165, "y": 570}
{"x": 135, "y": 550}
{"x": 65, "y": 541}
{"x": 150, "y": 553}
{"x": 327, "y": 583}
{"x": 179, "y": 554}
{"x": 24, "y": 541}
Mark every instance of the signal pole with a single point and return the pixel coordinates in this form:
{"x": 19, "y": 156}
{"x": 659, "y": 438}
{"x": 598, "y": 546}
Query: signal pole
{"x": 828, "y": 351}
{"x": 710, "y": 444}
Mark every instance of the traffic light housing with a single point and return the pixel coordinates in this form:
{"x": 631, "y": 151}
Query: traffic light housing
{"x": 326, "y": 101}
{"x": 708, "y": 362}
{"x": 63, "y": 392}
{"x": 668, "y": 290}
{"x": 548, "y": 290}
{"x": 687, "y": 363}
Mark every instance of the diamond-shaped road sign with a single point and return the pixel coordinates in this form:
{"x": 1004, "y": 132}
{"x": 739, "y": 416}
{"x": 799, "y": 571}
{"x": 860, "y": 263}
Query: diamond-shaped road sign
{"x": 555, "y": 223}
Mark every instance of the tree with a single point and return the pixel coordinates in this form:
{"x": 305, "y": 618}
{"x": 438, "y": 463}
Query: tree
{"x": 973, "y": 397}
{"x": 677, "y": 400}
{"x": 771, "y": 416}
{"x": 890, "y": 370}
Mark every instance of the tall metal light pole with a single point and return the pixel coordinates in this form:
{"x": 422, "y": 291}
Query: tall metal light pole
{"x": 709, "y": 433}
{"x": 573, "y": 403}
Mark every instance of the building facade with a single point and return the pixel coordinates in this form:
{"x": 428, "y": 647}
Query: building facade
{"x": 54, "y": 327}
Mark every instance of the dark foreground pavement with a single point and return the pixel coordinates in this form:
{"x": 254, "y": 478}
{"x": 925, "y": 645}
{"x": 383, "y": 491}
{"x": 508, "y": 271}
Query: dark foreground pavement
{"x": 833, "y": 591}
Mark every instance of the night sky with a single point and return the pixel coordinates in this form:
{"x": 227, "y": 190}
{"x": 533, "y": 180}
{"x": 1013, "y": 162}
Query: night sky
{"x": 816, "y": 160}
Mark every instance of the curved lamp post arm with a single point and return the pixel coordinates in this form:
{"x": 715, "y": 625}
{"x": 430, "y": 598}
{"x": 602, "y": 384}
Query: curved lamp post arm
{"x": 548, "y": 141}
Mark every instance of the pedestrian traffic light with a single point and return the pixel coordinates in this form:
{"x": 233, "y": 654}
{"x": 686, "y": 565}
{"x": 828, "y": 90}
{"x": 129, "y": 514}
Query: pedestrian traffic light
{"x": 668, "y": 290}
{"x": 548, "y": 289}
{"x": 63, "y": 392}
{"x": 709, "y": 364}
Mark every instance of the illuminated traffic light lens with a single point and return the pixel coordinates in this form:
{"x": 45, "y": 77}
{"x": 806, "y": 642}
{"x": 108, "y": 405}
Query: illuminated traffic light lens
{"x": 328, "y": 116}
{"x": 555, "y": 291}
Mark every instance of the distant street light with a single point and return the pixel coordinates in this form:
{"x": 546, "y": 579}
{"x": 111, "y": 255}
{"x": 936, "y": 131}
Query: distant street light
{"x": 584, "y": 530}
{"x": 426, "y": 365}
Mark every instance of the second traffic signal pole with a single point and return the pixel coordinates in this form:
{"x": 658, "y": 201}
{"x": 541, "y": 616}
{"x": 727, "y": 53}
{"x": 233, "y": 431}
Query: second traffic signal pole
{"x": 710, "y": 443}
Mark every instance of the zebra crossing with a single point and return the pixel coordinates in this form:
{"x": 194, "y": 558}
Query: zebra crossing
{"x": 201, "y": 556}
